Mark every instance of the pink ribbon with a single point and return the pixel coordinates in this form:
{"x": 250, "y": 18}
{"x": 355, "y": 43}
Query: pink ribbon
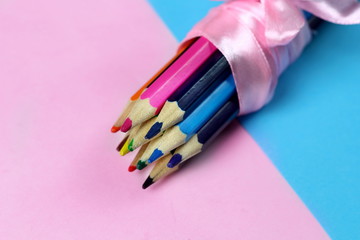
{"x": 260, "y": 38}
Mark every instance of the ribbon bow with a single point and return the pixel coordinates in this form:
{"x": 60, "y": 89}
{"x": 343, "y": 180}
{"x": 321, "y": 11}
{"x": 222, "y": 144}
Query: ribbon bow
{"x": 260, "y": 38}
{"x": 284, "y": 20}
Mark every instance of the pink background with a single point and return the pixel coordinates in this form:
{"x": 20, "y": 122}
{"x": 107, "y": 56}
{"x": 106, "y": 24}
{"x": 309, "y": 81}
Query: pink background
{"x": 66, "y": 68}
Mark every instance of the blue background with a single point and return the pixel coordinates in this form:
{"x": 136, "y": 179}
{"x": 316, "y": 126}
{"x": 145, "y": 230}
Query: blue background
{"x": 311, "y": 128}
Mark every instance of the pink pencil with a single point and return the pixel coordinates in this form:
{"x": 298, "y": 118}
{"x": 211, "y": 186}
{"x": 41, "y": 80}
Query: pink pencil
{"x": 185, "y": 67}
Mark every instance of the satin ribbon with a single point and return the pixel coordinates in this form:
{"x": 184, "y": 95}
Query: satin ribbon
{"x": 261, "y": 38}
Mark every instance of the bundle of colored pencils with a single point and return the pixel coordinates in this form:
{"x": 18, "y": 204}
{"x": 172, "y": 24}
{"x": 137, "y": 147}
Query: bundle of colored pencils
{"x": 177, "y": 113}
{"x": 179, "y": 110}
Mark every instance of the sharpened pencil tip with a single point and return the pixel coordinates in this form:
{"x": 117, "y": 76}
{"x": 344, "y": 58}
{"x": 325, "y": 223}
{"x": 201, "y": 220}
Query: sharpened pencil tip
{"x": 126, "y": 125}
{"x": 131, "y": 168}
{"x": 154, "y": 130}
{"x": 141, "y": 165}
{"x": 124, "y": 150}
{"x": 175, "y": 160}
{"x": 115, "y": 129}
{"x": 130, "y": 146}
{"x": 155, "y": 155}
{"x": 148, "y": 182}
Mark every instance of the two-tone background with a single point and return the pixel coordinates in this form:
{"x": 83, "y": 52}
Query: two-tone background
{"x": 289, "y": 171}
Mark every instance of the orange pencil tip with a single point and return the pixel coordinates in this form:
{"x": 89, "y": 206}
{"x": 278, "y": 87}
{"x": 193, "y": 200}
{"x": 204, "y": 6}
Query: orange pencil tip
{"x": 115, "y": 129}
{"x": 131, "y": 168}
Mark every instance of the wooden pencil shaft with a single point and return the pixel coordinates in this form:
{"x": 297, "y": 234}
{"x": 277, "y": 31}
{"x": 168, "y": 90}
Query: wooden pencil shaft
{"x": 139, "y": 154}
{"x": 160, "y": 166}
{"x": 124, "y": 114}
{"x": 137, "y": 139}
{"x": 189, "y": 149}
{"x": 164, "y": 173}
{"x": 172, "y": 138}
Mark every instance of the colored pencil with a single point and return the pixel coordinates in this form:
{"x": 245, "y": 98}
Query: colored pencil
{"x": 207, "y": 133}
{"x": 179, "y": 134}
{"x": 189, "y": 65}
{"x": 125, "y": 147}
{"x": 184, "y": 100}
{"x": 159, "y": 171}
{"x": 121, "y": 144}
{"x": 135, "y": 161}
{"x": 117, "y": 125}
{"x": 137, "y": 138}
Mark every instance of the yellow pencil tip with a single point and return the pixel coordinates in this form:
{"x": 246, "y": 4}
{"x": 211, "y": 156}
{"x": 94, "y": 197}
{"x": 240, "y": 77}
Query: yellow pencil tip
{"x": 125, "y": 149}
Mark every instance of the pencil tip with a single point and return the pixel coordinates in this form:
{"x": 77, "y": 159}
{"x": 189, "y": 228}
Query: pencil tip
{"x": 131, "y": 168}
{"x": 148, "y": 182}
{"x": 126, "y": 125}
{"x": 155, "y": 155}
{"x": 154, "y": 130}
{"x": 115, "y": 129}
{"x": 130, "y": 146}
{"x": 141, "y": 165}
{"x": 124, "y": 150}
{"x": 175, "y": 160}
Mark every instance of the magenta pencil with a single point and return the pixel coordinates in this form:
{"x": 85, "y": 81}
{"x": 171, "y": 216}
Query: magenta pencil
{"x": 190, "y": 64}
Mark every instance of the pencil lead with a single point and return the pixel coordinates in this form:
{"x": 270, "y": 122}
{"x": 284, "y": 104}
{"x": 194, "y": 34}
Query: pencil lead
{"x": 148, "y": 182}
{"x": 121, "y": 144}
{"x": 126, "y": 125}
{"x": 115, "y": 129}
{"x": 125, "y": 149}
{"x": 141, "y": 165}
{"x": 175, "y": 160}
{"x": 131, "y": 168}
{"x": 155, "y": 155}
{"x": 154, "y": 130}
{"x": 130, "y": 146}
